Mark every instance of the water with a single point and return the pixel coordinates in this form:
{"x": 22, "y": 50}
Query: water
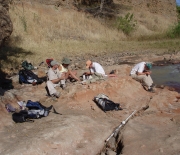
{"x": 167, "y": 75}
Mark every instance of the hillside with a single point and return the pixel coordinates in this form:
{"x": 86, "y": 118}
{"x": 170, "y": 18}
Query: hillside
{"x": 49, "y": 30}
{"x": 83, "y": 30}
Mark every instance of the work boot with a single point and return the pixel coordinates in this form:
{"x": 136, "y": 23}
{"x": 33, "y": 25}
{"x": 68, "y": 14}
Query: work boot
{"x": 153, "y": 85}
{"x": 151, "y": 90}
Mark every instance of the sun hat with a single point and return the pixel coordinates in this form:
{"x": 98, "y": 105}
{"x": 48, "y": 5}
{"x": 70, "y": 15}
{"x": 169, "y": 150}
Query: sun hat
{"x": 54, "y": 62}
{"x": 88, "y": 63}
{"x": 66, "y": 61}
{"x": 148, "y": 65}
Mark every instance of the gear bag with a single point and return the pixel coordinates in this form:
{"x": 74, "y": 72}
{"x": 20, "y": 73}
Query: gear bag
{"x": 21, "y": 117}
{"x": 35, "y": 111}
{"x": 28, "y": 77}
{"x": 27, "y": 65}
{"x": 104, "y": 103}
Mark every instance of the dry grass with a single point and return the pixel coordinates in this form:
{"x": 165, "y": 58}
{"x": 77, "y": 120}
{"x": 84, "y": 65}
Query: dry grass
{"x": 51, "y": 32}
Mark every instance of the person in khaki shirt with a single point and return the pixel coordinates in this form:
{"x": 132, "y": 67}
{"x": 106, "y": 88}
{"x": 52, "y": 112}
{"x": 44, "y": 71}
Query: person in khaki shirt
{"x": 54, "y": 78}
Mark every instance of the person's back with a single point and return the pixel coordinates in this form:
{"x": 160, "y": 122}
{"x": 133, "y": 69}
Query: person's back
{"x": 96, "y": 67}
{"x": 138, "y": 68}
{"x": 141, "y": 72}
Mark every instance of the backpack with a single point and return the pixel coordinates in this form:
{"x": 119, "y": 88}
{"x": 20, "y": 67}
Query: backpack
{"x": 28, "y": 77}
{"x": 27, "y": 65}
{"x": 21, "y": 117}
{"x": 105, "y": 104}
{"x": 36, "y": 109}
{"x": 48, "y": 61}
{"x": 10, "y": 108}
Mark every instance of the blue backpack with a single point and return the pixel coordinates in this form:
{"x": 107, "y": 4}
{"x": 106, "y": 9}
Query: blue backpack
{"x": 25, "y": 76}
{"x": 35, "y": 110}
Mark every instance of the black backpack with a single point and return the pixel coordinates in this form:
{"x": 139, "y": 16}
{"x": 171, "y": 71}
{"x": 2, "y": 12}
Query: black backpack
{"x": 104, "y": 103}
{"x": 21, "y": 117}
{"x": 35, "y": 111}
{"x": 25, "y": 76}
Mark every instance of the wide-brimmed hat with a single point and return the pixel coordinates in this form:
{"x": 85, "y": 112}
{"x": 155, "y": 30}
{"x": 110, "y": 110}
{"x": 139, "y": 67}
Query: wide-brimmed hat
{"x": 148, "y": 65}
{"x": 54, "y": 62}
{"x": 88, "y": 63}
{"x": 66, "y": 61}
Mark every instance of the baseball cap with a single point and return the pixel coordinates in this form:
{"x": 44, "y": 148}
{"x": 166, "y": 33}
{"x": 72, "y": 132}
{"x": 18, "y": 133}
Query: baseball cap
{"x": 54, "y": 62}
{"x": 149, "y": 65}
{"x": 66, "y": 61}
{"x": 88, "y": 63}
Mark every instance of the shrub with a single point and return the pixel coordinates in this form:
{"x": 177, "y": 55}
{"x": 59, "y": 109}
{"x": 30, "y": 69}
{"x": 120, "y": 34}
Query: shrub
{"x": 174, "y": 32}
{"x": 178, "y": 11}
{"x": 127, "y": 24}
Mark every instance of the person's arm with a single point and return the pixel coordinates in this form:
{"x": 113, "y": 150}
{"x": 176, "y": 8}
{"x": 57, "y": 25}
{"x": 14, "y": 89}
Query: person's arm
{"x": 91, "y": 72}
{"x": 87, "y": 73}
{"x": 73, "y": 76}
{"x": 58, "y": 80}
{"x": 143, "y": 73}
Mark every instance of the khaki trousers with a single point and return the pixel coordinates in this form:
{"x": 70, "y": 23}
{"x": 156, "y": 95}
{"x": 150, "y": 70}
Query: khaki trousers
{"x": 144, "y": 79}
{"x": 51, "y": 87}
{"x": 96, "y": 77}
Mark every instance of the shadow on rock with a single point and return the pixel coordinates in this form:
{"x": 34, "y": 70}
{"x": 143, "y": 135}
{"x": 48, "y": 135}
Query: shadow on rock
{"x": 6, "y": 54}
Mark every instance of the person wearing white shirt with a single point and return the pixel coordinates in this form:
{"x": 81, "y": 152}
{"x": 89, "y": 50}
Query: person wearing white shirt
{"x": 141, "y": 72}
{"x": 96, "y": 71}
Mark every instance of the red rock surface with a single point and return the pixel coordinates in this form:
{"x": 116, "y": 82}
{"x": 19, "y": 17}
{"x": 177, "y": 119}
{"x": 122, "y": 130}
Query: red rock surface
{"x": 83, "y": 127}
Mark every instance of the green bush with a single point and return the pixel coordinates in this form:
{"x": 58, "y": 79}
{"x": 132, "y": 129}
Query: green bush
{"x": 174, "y": 32}
{"x": 178, "y": 11}
{"x": 127, "y": 23}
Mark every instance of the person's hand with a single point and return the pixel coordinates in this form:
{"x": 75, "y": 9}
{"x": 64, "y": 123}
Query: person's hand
{"x": 148, "y": 73}
{"x": 62, "y": 77}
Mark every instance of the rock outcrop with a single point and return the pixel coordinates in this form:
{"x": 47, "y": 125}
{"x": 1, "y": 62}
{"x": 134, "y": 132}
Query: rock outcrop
{"x": 6, "y": 26}
{"x": 83, "y": 127}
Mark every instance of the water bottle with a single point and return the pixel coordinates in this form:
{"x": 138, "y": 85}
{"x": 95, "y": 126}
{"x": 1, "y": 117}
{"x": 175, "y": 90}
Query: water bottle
{"x": 46, "y": 113}
{"x": 84, "y": 77}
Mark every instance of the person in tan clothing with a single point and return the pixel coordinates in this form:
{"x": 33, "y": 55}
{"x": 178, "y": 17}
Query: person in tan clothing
{"x": 54, "y": 78}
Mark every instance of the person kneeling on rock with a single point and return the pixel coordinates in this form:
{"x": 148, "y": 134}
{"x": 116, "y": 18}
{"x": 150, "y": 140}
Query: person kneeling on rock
{"x": 96, "y": 72}
{"x": 54, "y": 78}
{"x": 141, "y": 72}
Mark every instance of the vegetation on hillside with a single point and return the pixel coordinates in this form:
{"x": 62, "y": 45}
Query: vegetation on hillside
{"x": 54, "y": 32}
{"x": 126, "y": 24}
{"x": 174, "y": 31}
